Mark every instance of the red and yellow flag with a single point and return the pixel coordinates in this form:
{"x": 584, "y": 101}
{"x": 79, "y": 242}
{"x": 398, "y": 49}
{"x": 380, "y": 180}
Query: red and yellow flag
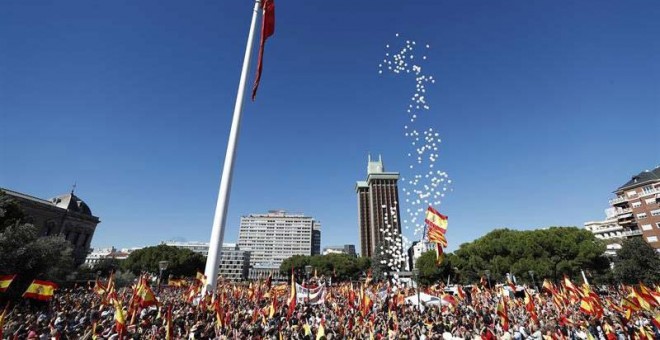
{"x": 201, "y": 278}
{"x": 503, "y": 314}
{"x": 529, "y": 306}
{"x": 120, "y": 317}
{"x": 656, "y": 321}
{"x": 292, "y": 298}
{"x": 5, "y": 281}
{"x": 436, "y": 219}
{"x": 40, "y": 290}
{"x": 176, "y": 282}
{"x": 439, "y": 254}
{"x": 267, "y": 29}
{"x": 146, "y": 296}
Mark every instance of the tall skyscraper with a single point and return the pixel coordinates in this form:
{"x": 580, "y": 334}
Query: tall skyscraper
{"x": 378, "y": 199}
{"x": 316, "y": 238}
{"x": 275, "y": 236}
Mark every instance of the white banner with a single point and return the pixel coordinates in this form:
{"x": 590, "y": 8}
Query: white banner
{"x": 314, "y": 295}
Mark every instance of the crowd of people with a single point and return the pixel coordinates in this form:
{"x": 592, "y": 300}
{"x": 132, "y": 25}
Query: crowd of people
{"x": 366, "y": 310}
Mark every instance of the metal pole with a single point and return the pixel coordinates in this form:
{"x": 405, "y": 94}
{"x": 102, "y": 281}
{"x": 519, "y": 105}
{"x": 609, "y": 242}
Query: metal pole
{"x": 220, "y": 217}
{"x": 419, "y": 301}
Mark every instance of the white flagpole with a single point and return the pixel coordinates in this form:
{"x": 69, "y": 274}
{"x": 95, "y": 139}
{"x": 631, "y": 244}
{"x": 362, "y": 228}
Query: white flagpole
{"x": 220, "y": 217}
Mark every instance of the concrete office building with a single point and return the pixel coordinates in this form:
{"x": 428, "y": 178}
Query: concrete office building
{"x": 378, "y": 199}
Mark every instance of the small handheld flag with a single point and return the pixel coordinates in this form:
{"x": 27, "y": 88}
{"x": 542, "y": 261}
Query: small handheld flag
{"x": 5, "y": 281}
{"x": 40, "y": 290}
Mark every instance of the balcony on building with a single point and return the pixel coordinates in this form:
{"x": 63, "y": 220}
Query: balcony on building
{"x": 621, "y": 200}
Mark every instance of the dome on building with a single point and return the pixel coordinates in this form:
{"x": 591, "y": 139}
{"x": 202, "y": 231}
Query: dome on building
{"x": 72, "y": 202}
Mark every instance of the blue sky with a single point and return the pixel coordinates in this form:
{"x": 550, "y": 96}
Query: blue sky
{"x": 543, "y": 108}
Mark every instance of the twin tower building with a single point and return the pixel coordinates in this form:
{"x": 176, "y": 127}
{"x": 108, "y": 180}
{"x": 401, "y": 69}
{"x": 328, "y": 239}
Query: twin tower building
{"x": 378, "y": 207}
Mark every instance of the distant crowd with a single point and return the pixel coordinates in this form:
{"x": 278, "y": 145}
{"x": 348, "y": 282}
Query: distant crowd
{"x": 367, "y": 310}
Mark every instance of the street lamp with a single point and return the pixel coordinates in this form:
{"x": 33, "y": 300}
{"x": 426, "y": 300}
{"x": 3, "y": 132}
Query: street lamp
{"x": 415, "y": 272}
{"x": 487, "y": 272}
{"x": 162, "y": 265}
{"x": 531, "y": 273}
{"x": 308, "y": 271}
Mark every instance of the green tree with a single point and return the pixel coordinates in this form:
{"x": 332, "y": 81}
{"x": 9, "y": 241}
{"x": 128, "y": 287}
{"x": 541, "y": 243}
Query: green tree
{"x": 25, "y": 253}
{"x": 296, "y": 263}
{"x": 106, "y": 266}
{"x": 430, "y": 273}
{"x": 181, "y": 262}
{"x": 341, "y": 266}
{"x": 549, "y": 253}
{"x": 636, "y": 262}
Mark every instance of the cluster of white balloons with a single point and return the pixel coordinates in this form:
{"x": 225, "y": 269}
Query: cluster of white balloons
{"x": 423, "y": 184}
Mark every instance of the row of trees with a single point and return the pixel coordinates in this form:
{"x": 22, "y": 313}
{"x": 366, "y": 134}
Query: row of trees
{"x": 340, "y": 266}
{"x": 548, "y": 253}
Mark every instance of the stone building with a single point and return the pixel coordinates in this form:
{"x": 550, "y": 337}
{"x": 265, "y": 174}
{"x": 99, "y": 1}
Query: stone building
{"x": 65, "y": 215}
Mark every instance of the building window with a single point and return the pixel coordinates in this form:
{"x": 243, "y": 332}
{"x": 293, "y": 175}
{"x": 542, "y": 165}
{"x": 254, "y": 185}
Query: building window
{"x": 655, "y": 212}
{"x": 658, "y": 225}
{"x": 641, "y": 216}
{"x": 652, "y": 239}
{"x": 636, "y": 204}
{"x": 650, "y": 200}
{"x": 647, "y": 189}
{"x": 631, "y": 193}
{"x": 647, "y": 227}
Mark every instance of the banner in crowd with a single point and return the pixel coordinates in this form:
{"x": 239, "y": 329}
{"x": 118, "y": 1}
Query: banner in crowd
{"x": 315, "y": 295}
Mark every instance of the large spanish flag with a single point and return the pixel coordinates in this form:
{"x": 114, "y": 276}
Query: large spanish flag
{"x": 434, "y": 218}
{"x": 5, "y": 281}
{"x": 40, "y": 290}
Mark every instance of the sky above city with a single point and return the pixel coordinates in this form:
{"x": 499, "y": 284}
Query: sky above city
{"x": 543, "y": 108}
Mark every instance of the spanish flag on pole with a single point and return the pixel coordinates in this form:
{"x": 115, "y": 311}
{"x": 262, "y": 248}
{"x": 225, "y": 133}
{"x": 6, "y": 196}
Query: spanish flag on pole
{"x": 437, "y": 227}
{"x": 40, "y": 290}
{"x": 5, "y": 281}
{"x": 436, "y": 219}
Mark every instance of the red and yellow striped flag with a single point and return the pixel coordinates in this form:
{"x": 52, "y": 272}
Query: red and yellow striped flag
{"x": 434, "y": 218}
{"x": 5, "y": 281}
{"x": 40, "y": 290}
{"x": 503, "y": 314}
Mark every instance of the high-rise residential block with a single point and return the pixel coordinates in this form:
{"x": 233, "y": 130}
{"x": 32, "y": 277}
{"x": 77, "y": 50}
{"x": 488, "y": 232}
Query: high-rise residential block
{"x": 637, "y": 205}
{"x": 378, "y": 207}
{"x": 273, "y": 237}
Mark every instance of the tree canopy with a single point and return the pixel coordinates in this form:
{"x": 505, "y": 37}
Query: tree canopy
{"x": 549, "y": 253}
{"x": 342, "y": 266}
{"x": 636, "y": 262}
{"x": 27, "y": 254}
{"x": 430, "y": 272}
{"x": 181, "y": 262}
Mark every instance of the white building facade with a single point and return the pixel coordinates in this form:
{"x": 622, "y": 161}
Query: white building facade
{"x": 273, "y": 237}
{"x": 234, "y": 262}
{"x": 611, "y": 231}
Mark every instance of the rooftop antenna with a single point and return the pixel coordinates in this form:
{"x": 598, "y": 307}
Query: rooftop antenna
{"x": 73, "y": 187}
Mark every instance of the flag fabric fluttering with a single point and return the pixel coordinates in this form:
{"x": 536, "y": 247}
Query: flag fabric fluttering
{"x": 292, "y": 298}
{"x": 267, "y": 29}
{"x": 437, "y": 227}
{"x": 434, "y": 218}
{"x": 40, "y": 290}
{"x": 120, "y": 317}
{"x": 502, "y": 313}
{"x": 5, "y": 281}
